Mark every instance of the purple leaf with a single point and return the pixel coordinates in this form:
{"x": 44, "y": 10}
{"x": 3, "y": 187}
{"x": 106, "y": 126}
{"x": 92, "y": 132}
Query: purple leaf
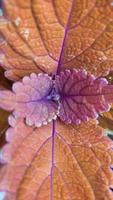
{"x": 74, "y": 96}
{"x": 82, "y": 96}
{"x": 33, "y": 99}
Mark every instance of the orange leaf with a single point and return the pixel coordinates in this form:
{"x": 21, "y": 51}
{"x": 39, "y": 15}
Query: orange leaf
{"x": 50, "y": 35}
{"x": 78, "y": 169}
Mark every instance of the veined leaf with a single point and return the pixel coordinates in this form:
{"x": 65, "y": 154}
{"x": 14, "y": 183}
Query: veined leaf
{"x": 57, "y": 161}
{"x": 48, "y": 36}
{"x": 32, "y": 99}
{"x": 82, "y": 96}
{"x": 76, "y": 167}
{"x": 75, "y": 96}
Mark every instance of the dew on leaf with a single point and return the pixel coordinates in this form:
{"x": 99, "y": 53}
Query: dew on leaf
{"x": 17, "y": 21}
{"x": 25, "y": 33}
{"x": 103, "y": 58}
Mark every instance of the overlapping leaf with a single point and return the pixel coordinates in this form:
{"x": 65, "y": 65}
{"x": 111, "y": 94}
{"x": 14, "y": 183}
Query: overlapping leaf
{"x": 42, "y": 35}
{"x": 75, "y": 96}
{"x": 82, "y": 96}
{"x": 31, "y": 99}
{"x": 81, "y": 168}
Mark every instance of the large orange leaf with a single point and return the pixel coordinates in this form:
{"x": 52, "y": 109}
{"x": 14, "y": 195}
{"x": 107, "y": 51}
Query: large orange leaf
{"x": 74, "y": 164}
{"x": 53, "y": 35}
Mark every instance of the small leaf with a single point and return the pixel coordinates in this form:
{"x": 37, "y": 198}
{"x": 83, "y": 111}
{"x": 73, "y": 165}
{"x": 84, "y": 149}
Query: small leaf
{"x": 31, "y": 99}
{"x": 74, "y": 96}
{"x": 82, "y": 96}
{"x": 80, "y": 168}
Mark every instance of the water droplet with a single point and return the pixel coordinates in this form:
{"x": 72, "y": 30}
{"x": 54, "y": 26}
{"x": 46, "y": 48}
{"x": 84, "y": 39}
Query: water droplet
{"x": 102, "y": 58}
{"x": 17, "y": 21}
{"x": 25, "y": 33}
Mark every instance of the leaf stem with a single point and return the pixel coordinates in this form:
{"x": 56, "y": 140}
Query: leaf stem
{"x": 64, "y": 39}
{"x": 52, "y": 160}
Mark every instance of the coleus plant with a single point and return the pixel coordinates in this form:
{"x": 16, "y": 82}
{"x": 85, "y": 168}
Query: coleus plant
{"x": 55, "y": 147}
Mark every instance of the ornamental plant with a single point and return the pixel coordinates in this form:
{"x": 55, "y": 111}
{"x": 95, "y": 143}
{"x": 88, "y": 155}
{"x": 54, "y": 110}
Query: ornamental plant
{"x": 58, "y": 61}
